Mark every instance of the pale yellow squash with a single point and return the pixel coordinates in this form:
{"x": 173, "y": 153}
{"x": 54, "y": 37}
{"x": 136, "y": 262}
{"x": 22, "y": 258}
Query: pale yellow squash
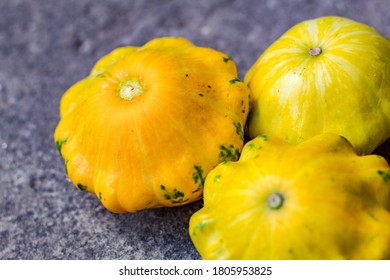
{"x": 314, "y": 200}
{"x": 328, "y": 74}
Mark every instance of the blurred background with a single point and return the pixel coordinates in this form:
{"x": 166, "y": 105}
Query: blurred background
{"x": 46, "y": 46}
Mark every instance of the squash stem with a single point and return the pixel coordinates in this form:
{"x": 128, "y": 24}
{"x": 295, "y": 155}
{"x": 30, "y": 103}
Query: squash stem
{"x": 275, "y": 200}
{"x": 315, "y": 51}
{"x": 130, "y": 88}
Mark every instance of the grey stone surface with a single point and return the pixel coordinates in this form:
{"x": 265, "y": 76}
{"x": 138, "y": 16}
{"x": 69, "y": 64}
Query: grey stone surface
{"x": 46, "y": 46}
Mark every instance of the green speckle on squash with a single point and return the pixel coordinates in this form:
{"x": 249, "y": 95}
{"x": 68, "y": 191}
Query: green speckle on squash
{"x": 100, "y": 75}
{"x": 198, "y": 178}
{"x": 66, "y": 167}
{"x": 228, "y": 153}
{"x": 217, "y": 178}
{"x": 82, "y": 187}
{"x": 263, "y": 137}
{"x": 251, "y": 146}
{"x": 177, "y": 193}
{"x": 175, "y": 196}
{"x": 226, "y": 59}
{"x": 198, "y": 228}
{"x": 385, "y": 174}
{"x": 101, "y": 197}
{"x": 59, "y": 143}
{"x": 234, "y": 81}
{"x": 239, "y": 130}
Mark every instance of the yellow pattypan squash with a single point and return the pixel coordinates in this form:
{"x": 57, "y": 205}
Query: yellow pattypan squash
{"x": 314, "y": 200}
{"x": 148, "y": 123}
{"x": 328, "y": 74}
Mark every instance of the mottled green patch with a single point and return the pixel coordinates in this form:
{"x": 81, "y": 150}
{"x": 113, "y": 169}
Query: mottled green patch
{"x": 217, "y": 178}
{"x": 101, "y": 76}
{"x": 385, "y": 174}
{"x": 263, "y": 137}
{"x": 251, "y": 146}
{"x": 239, "y": 130}
{"x": 226, "y": 59}
{"x": 175, "y": 196}
{"x": 100, "y": 196}
{"x": 82, "y": 187}
{"x": 198, "y": 228}
{"x": 60, "y": 142}
{"x": 228, "y": 153}
{"x": 66, "y": 167}
{"x": 198, "y": 178}
{"x": 235, "y": 80}
{"x": 243, "y": 109}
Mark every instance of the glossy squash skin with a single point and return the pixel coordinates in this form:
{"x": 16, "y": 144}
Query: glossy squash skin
{"x": 328, "y": 74}
{"x": 314, "y": 200}
{"x": 148, "y": 123}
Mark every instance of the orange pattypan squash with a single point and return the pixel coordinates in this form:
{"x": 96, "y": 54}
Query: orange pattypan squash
{"x": 148, "y": 124}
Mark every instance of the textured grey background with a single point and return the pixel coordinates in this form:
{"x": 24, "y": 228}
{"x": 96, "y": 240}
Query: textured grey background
{"x": 46, "y": 46}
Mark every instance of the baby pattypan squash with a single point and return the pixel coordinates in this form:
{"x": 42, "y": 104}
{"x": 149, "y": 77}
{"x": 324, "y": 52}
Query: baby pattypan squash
{"x": 314, "y": 200}
{"x": 328, "y": 74}
{"x": 148, "y": 123}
